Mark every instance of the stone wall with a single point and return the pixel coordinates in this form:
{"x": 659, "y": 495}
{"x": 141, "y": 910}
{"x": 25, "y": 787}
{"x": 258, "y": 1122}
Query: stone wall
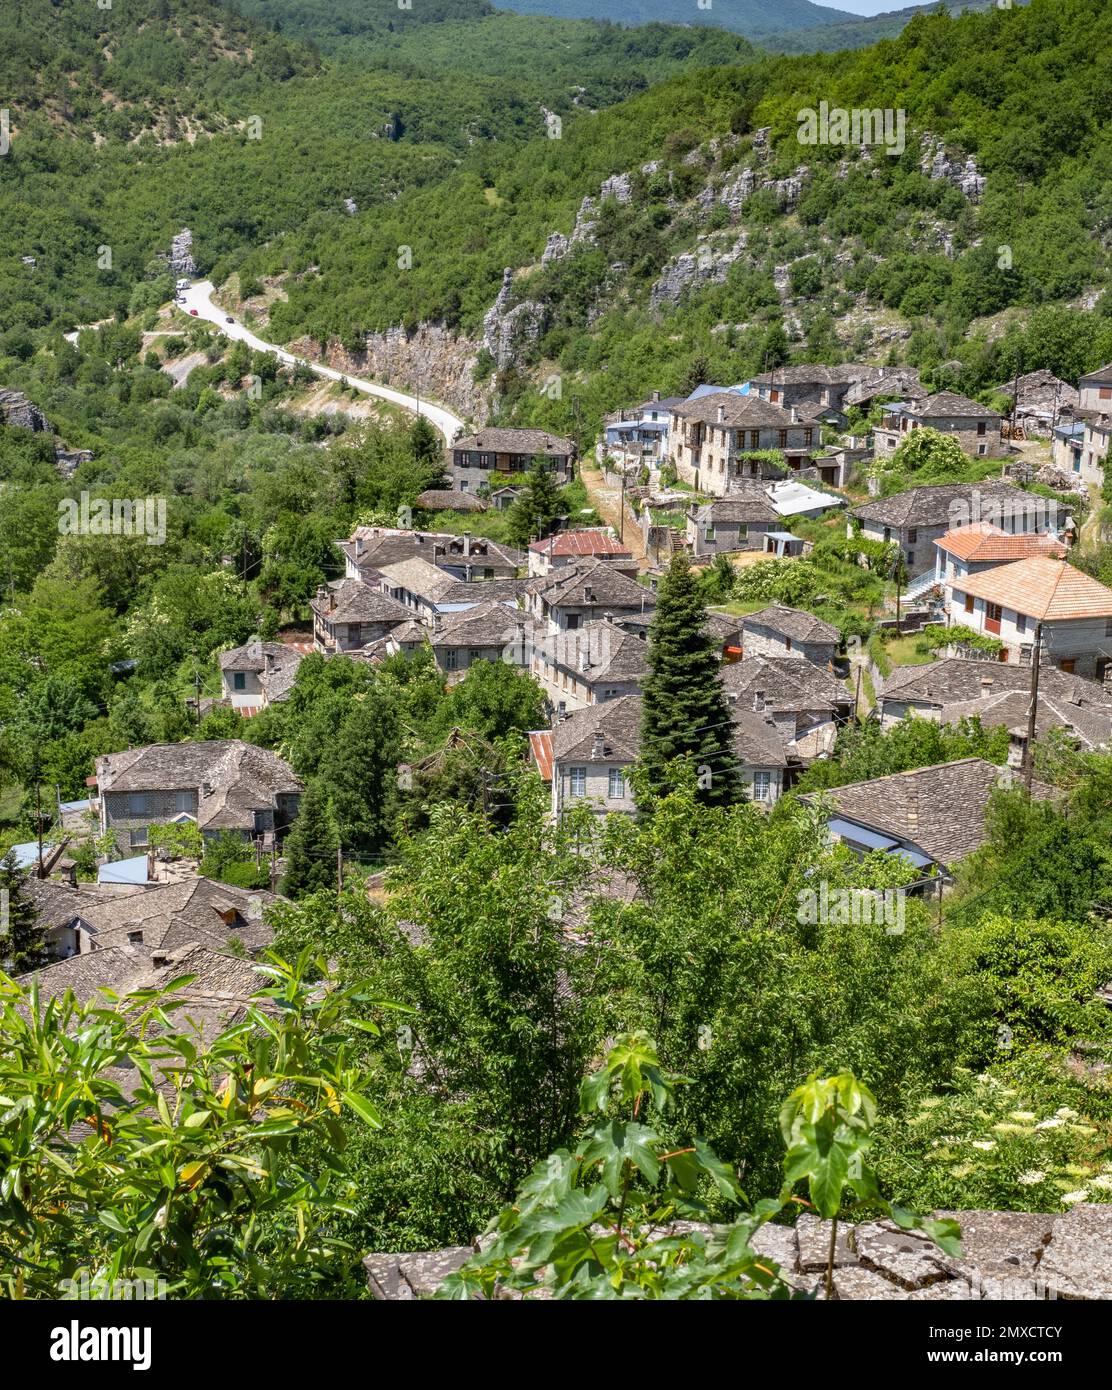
{"x": 1006, "y": 1255}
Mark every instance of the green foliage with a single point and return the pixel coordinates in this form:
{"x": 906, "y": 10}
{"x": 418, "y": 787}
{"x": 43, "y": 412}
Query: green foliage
{"x": 937, "y": 637}
{"x": 193, "y": 1173}
{"x": 311, "y": 845}
{"x": 597, "y": 1223}
{"x": 22, "y": 943}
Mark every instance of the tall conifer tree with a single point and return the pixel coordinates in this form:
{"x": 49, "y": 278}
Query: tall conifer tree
{"x": 685, "y": 713}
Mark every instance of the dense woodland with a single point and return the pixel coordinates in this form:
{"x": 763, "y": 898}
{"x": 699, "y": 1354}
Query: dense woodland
{"x": 510, "y": 959}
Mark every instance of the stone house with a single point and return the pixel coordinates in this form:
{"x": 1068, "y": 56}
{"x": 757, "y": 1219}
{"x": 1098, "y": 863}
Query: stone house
{"x": 721, "y": 441}
{"x": 372, "y": 548}
{"x": 811, "y": 387}
{"x": 1009, "y": 601}
{"x": 223, "y": 785}
{"x": 975, "y": 427}
{"x": 258, "y": 674}
{"x": 781, "y": 631}
{"x": 589, "y": 754}
{"x": 487, "y": 632}
{"x": 915, "y": 519}
{"x": 1095, "y": 413}
{"x": 568, "y": 598}
{"x": 476, "y": 457}
{"x": 740, "y": 522}
{"x": 640, "y": 435}
{"x": 429, "y": 593}
{"x": 588, "y": 665}
{"x": 925, "y": 691}
{"x": 347, "y": 614}
{"x": 806, "y": 704}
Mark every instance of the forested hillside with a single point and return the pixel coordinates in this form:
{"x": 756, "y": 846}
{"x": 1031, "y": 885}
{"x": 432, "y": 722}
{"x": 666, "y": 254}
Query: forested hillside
{"x": 856, "y": 32}
{"x": 753, "y": 18}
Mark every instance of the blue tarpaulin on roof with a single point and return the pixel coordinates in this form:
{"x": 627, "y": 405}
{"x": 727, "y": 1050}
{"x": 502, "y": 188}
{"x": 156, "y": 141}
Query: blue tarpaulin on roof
{"x": 124, "y": 871}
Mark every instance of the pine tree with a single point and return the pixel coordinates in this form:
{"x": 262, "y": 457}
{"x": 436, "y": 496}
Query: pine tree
{"x": 685, "y": 714}
{"x": 312, "y": 845}
{"x": 22, "y": 944}
{"x": 537, "y": 506}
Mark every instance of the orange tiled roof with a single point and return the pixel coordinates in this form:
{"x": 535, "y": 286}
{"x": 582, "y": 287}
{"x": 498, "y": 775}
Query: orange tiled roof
{"x": 540, "y": 745}
{"x": 984, "y": 541}
{"x": 1042, "y": 588}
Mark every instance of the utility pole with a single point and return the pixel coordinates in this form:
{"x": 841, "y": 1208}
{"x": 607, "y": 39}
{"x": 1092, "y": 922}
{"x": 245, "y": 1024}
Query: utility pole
{"x": 1032, "y": 713}
{"x": 340, "y": 874}
{"x": 274, "y": 865}
{"x": 857, "y": 693}
{"x": 622, "y": 510}
{"x": 38, "y": 822}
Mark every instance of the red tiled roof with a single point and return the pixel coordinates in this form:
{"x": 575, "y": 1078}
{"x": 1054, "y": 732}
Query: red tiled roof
{"x": 983, "y": 541}
{"x": 582, "y": 542}
{"x": 540, "y": 745}
{"x": 1041, "y": 588}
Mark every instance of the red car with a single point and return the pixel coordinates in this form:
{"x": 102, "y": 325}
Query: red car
{"x": 193, "y": 312}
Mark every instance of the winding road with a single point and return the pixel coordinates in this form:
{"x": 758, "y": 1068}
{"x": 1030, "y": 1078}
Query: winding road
{"x": 199, "y": 297}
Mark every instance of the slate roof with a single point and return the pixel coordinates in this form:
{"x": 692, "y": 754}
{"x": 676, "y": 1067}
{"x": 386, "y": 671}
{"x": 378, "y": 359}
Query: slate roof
{"x": 569, "y": 586}
{"x": 983, "y": 541}
{"x": 486, "y": 625}
{"x": 418, "y": 576}
{"x": 484, "y": 591}
{"x": 793, "y": 623}
{"x": 953, "y": 679}
{"x": 539, "y": 443}
{"x": 748, "y": 507}
{"x": 1091, "y": 725}
{"x": 278, "y": 677}
{"x": 940, "y": 809}
{"x": 1043, "y": 588}
{"x": 436, "y": 499}
{"x": 724, "y": 627}
{"x": 930, "y": 505}
{"x": 756, "y": 741}
{"x": 898, "y": 383}
{"x": 357, "y": 602}
{"x": 952, "y": 404}
{"x": 748, "y": 412}
{"x": 619, "y": 723}
{"x": 786, "y": 683}
{"x": 243, "y": 778}
{"x": 612, "y": 653}
{"x": 814, "y": 373}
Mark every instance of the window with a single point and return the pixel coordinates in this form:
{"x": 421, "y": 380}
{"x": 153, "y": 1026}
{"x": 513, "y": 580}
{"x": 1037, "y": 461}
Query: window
{"x": 1068, "y": 666}
{"x": 808, "y": 437}
{"x": 1108, "y": 627}
{"x": 783, "y": 439}
{"x": 140, "y": 836}
{"x": 887, "y": 534}
{"x": 183, "y": 801}
{"x": 982, "y": 448}
{"x": 138, "y": 804}
{"x": 969, "y": 603}
{"x": 754, "y": 439}
{"x": 743, "y": 531}
{"x": 473, "y": 655}
{"x": 451, "y": 658}
{"x": 762, "y": 786}
{"x": 577, "y": 781}
{"x": 573, "y": 621}
{"x": 1106, "y": 393}
{"x": 239, "y": 681}
{"x": 912, "y": 535}
{"x": 135, "y": 937}
{"x": 617, "y": 788}
{"x": 1020, "y": 622}
{"x": 980, "y": 427}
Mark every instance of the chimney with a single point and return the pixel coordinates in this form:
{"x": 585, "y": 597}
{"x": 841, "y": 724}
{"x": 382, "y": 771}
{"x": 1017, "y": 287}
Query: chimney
{"x": 987, "y": 683}
{"x": 598, "y": 748}
{"x": 332, "y": 600}
{"x": 758, "y": 700}
{"x": 360, "y": 546}
{"x": 268, "y": 662}
{"x": 721, "y": 413}
{"x": 656, "y": 395}
{"x": 589, "y": 594}
{"x": 795, "y": 416}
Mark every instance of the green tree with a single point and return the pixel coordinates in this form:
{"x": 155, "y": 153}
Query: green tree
{"x": 311, "y": 845}
{"x": 537, "y": 507}
{"x": 685, "y": 714}
{"x": 22, "y": 943}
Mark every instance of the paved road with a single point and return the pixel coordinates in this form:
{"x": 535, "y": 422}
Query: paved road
{"x": 199, "y": 297}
